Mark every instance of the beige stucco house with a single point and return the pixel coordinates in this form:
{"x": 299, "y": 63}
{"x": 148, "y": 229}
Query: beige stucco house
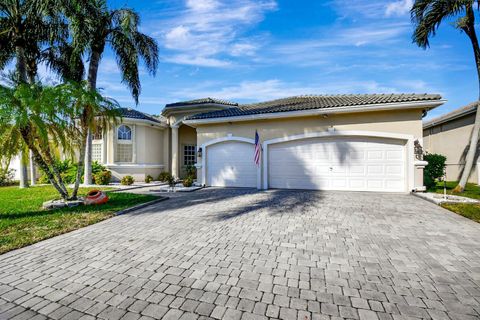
{"x": 449, "y": 135}
{"x": 340, "y": 142}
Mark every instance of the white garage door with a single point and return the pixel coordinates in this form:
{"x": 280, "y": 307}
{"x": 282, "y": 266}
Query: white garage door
{"x": 230, "y": 164}
{"x": 361, "y": 164}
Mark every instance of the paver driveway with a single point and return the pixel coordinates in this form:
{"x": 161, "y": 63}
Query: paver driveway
{"x": 231, "y": 254}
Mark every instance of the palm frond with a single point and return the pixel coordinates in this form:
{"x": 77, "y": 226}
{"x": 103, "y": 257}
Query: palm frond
{"x": 127, "y": 60}
{"x": 427, "y": 15}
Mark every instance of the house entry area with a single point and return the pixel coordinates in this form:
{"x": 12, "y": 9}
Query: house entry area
{"x": 187, "y": 149}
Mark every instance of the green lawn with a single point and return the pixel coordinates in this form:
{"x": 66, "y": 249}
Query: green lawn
{"x": 471, "y": 190}
{"x": 468, "y": 210}
{"x": 23, "y": 221}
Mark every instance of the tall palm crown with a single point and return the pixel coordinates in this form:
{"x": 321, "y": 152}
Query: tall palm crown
{"x": 100, "y": 26}
{"x": 25, "y": 26}
{"x": 427, "y": 16}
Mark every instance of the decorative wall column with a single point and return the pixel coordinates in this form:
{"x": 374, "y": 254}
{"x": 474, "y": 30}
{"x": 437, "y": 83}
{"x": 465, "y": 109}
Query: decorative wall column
{"x": 175, "y": 171}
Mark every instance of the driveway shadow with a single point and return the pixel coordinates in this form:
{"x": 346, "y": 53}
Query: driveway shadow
{"x": 236, "y": 202}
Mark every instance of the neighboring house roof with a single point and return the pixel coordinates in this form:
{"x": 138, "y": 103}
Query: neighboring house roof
{"x": 300, "y": 103}
{"x": 134, "y": 114}
{"x": 455, "y": 114}
{"x": 201, "y": 101}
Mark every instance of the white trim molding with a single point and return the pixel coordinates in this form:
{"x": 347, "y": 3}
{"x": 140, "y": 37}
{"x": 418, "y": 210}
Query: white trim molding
{"x": 409, "y": 140}
{"x": 134, "y": 165}
{"x": 226, "y": 139}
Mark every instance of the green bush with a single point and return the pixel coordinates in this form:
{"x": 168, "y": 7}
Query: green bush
{"x": 6, "y": 177}
{"x": 164, "y": 176}
{"x": 68, "y": 171}
{"x": 434, "y": 170}
{"x": 127, "y": 180}
{"x": 103, "y": 177}
{"x": 188, "y": 182}
{"x": 190, "y": 172}
{"x": 148, "y": 179}
{"x": 171, "y": 181}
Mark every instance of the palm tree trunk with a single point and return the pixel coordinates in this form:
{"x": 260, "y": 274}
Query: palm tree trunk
{"x": 92, "y": 83}
{"x": 42, "y": 164}
{"x": 22, "y": 76}
{"x": 51, "y": 177}
{"x": 49, "y": 160}
{"x": 33, "y": 178}
{"x": 469, "y": 29}
{"x": 80, "y": 164}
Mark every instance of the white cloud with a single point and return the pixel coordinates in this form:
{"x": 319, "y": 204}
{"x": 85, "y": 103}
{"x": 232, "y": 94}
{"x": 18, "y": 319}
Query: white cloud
{"x": 331, "y": 47}
{"x": 398, "y": 8}
{"x": 243, "y": 49}
{"x": 197, "y": 61}
{"x": 202, "y": 5}
{"x": 275, "y": 89}
{"x": 207, "y": 32}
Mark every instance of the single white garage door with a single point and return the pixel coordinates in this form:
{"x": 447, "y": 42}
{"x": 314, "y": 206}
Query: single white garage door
{"x": 360, "y": 164}
{"x": 230, "y": 164}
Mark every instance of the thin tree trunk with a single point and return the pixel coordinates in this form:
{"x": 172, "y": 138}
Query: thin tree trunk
{"x": 50, "y": 160}
{"x": 469, "y": 29}
{"x": 22, "y": 77}
{"x": 80, "y": 164}
{"x": 92, "y": 83}
{"x": 33, "y": 177}
{"x": 42, "y": 164}
{"x": 23, "y": 174}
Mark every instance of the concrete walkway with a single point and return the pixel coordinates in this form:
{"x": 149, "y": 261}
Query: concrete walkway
{"x": 242, "y": 254}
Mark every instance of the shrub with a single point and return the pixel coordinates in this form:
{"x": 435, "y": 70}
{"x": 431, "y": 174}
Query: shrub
{"x": 188, "y": 182}
{"x": 68, "y": 171}
{"x": 103, "y": 177}
{"x": 43, "y": 179}
{"x": 164, "y": 176}
{"x": 6, "y": 177}
{"x": 434, "y": 170}
{"x": 127, "y": 180}
{"x": 191, "y": 172}
{"x": 148, "y": 179}
{"x": 171, "y": 181}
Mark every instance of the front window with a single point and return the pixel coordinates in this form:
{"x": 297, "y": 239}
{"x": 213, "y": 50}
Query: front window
{"x": 124, "y": 147}
{"x": 97, "y": 150}
{"x": 97, "y": 134}
{"x": 124, "y": 133}
{"x": 189, "y": 155}
{"x": 97, "y": 145}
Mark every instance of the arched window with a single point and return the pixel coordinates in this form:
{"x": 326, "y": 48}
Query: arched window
{"x": 124, "y": 146}
{"x": 124, "y": 133}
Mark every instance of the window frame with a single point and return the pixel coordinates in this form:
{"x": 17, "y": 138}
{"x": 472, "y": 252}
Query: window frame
{"x": 191, "y": 154}
{"x": 124, "y": 141}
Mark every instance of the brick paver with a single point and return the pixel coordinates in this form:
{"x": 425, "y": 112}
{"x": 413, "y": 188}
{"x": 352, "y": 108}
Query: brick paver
{"x": 242, "y": 254}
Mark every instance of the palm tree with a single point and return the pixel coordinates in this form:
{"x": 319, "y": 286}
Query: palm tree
{"x": 24, "y": 26}
{"x": 44, "y": 120}
{"x": 427, "y": 16}
{"x": 94, "y": 26}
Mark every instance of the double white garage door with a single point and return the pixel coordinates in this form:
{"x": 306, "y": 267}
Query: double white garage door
{"x": 360, "y": 164}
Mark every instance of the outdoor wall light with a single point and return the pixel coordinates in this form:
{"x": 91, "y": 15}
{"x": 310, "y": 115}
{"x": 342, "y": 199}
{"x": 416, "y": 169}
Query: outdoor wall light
{"x": 199, "y": 152}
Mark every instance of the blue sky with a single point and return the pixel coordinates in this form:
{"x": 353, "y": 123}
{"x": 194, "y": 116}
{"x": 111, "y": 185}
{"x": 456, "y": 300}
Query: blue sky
{"x": 253, "y": 50}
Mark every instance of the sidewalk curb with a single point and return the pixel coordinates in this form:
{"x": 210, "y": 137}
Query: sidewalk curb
{"x": 424, "y": 198}
{"x": 140, "y": 206}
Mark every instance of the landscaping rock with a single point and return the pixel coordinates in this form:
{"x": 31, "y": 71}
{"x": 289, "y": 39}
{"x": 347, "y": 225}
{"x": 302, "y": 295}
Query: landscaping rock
{"x": 56, "y": 204}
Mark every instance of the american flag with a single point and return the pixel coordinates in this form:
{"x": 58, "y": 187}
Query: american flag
{"x": 257, "y": 149}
